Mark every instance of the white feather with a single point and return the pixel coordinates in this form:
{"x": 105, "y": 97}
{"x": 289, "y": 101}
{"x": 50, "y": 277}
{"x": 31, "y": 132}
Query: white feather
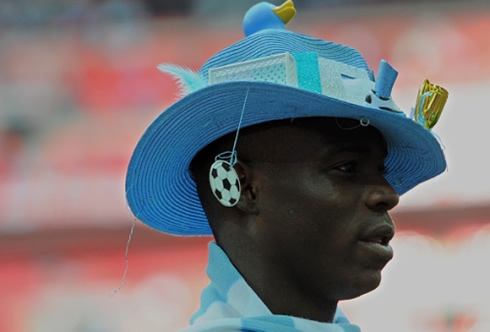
{"x": 187, "y": 79}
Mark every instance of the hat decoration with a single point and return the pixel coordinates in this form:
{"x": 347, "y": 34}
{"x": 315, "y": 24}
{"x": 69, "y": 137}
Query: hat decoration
{"x": 430, "y": 104}
{"x": 187, "y": 79}
{"x": 350, "y": 80}
{"x": 265, "y": 15}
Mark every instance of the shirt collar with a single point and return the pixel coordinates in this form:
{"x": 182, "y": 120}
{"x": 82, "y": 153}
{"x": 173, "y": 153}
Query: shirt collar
{"x": 228, "y": 298}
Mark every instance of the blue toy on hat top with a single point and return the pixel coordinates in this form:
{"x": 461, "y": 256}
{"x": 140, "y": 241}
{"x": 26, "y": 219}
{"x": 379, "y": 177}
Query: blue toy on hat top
{"x": 267, "y": 16}
{"x": 272, "y": 74}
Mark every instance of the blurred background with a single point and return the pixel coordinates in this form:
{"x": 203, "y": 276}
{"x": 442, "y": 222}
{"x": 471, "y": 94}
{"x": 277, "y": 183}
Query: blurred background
{"x": 78, "y": 86}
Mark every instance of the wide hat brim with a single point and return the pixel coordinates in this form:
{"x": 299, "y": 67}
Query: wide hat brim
{"x": 159, "y": 187}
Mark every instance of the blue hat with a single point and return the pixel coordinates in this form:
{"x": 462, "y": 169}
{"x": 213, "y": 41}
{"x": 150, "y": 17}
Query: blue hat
{"x": 281, "y": 75}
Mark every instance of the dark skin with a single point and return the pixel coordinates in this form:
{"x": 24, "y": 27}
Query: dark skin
{"x": 311, "y": 227}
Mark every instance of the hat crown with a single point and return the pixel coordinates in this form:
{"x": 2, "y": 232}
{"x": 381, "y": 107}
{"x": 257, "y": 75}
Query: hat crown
{"x": 276, "y": 41}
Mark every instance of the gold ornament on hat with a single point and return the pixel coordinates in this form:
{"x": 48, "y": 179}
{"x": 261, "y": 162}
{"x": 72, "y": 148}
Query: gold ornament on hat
{"x": 430, "y": 103}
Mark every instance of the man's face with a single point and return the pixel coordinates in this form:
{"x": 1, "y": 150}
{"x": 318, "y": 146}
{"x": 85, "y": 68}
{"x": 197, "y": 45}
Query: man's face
{"x": 323, "y": 224}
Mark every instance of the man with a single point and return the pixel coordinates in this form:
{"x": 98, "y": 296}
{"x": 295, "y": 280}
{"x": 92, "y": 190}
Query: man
{"x": 290, "y": 153}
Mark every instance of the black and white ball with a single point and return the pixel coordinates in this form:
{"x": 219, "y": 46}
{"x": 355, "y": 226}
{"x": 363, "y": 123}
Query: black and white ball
{"x": 225, "y": 183}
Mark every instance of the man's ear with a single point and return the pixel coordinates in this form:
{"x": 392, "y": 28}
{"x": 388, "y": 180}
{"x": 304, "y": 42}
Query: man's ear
{"x": 249, "y": 189}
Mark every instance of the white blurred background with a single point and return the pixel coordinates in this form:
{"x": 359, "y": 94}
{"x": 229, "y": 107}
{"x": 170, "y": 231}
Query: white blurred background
{"x": 78, "y": 86}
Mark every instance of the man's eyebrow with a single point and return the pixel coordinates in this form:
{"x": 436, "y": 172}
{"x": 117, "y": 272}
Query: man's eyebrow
{"x": 348, "y": 148}
{"x": 356, "y": 148}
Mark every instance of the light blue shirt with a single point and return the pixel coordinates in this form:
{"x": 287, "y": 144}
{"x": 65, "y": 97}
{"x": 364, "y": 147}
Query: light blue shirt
{"x": 229, "y": 304}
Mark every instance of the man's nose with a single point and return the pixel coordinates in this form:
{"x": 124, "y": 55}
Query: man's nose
{"x": 382, "y": 196}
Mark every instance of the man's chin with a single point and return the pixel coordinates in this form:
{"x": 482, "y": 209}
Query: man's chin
{"x": 366, "y": 284}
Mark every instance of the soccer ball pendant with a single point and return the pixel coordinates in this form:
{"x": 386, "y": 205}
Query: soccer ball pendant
{"x": 224, "y": 183}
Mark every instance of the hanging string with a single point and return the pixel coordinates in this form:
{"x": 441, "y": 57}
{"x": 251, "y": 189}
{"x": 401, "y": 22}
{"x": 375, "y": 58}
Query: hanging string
{"x": 233, "y": 155}
{"x": 363, "y": 122}
{"x": 126, "y": 258}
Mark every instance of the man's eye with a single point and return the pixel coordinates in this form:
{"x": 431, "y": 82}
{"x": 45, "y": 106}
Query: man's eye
{"x": 348, "y": 167}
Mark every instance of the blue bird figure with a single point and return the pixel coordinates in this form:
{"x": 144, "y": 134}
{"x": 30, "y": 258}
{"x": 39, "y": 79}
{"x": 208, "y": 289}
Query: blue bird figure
{"x": 265, "y": 15}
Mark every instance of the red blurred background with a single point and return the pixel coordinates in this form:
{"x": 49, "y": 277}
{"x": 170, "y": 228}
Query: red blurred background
{"x": 77, "y": 90}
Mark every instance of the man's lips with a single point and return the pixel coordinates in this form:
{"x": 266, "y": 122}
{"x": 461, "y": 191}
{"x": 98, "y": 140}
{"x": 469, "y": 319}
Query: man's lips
{"x": 381, "y": 234}
{"x": 376, "y": 240}
{"x": 380, "y": 240}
